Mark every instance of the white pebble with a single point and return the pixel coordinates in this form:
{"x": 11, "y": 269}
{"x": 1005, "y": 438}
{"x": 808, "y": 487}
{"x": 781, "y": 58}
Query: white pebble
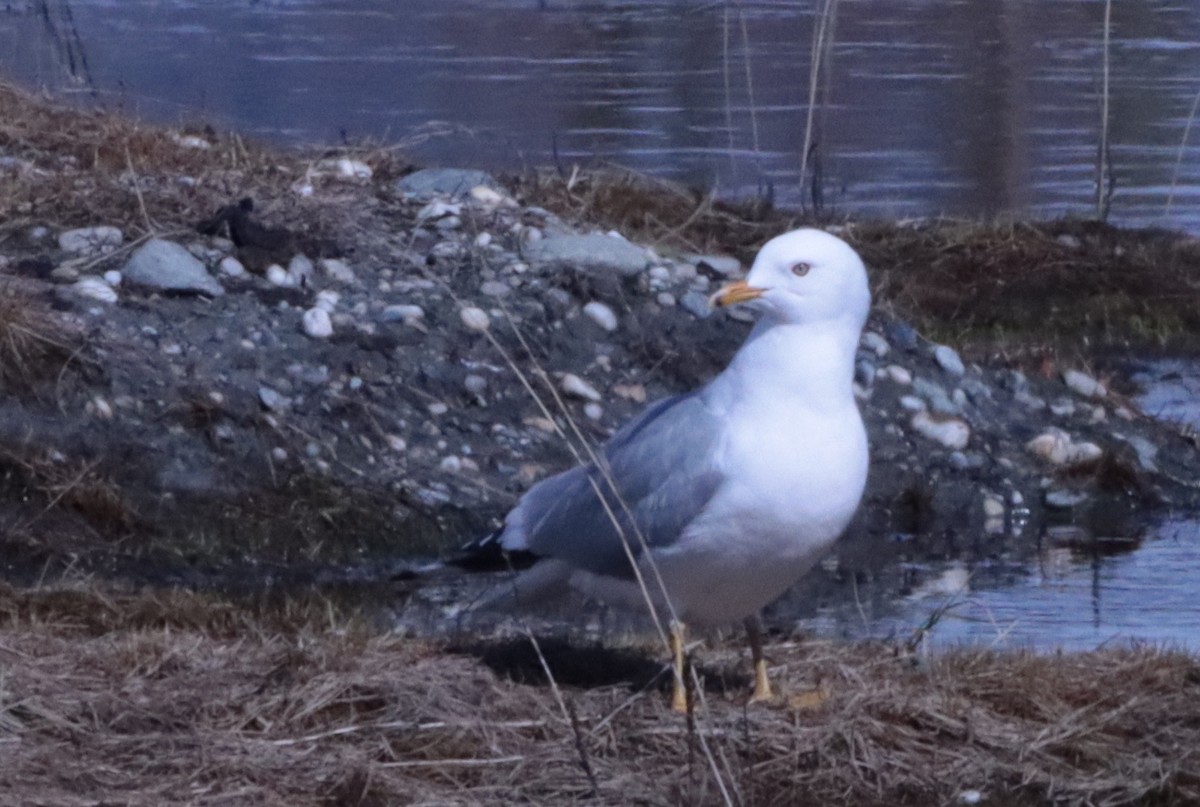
{"x": 913, "y": 403}
{"x": 451, "y": 464}
{"x": 317, "y": 324}
{"x": 408, "y": 314}
{"x": 1056, "y": 447}
{"x": 475, "y": 319}
{"x": 337, "y": 270}
{"x": 947, "y": 358}
{"x": 601, "y": 314}
{"x": 577, "y": 387}
{"x": 486, "y": 196}
{"x": 279, "y": 276}
{"x": 396, "y": 443}
{"x": 949, "y": 432}
{"x": 483, "y": 239}
{"x": 494, "y": 288}
{"x": 113, "y": 278}
{"x": 231, "y": 267}
{"x": 594, "y": 411}
{"x": 437, "y": 408}
{"x": 327, "y": 300}
{"x": 279, "y": 454}
{"x": 898, "y": 374}
{"x": 94, "y": 288}
{"x": 1083, "y": 384}
{"x": 102, "y": 408}
{"x": 875, "y": 343}
{"x": 666, "y": 299}
{"x": 300, "y": 269}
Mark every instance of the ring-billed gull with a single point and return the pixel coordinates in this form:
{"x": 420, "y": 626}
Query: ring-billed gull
{"x": 712, "y": 503}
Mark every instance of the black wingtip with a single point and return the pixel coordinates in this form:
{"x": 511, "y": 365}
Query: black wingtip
{"x": 487, "y": 554}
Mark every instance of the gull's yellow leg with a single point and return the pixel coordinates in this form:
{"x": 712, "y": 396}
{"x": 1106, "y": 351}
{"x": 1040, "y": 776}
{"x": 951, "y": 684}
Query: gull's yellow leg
{"x": 762, "y": 684}
{"x": 679, "y": 702}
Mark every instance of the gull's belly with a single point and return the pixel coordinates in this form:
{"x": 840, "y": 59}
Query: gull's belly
{"x": 795, "y": 492}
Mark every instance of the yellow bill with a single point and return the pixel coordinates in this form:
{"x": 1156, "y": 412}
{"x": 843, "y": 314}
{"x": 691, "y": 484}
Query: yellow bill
{"x": 733, "y": 293}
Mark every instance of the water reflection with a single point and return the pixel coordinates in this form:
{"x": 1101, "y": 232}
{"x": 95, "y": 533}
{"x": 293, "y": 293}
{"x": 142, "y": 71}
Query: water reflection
{"x": 963, "y": 107}
{"x": 1078, "y": 593}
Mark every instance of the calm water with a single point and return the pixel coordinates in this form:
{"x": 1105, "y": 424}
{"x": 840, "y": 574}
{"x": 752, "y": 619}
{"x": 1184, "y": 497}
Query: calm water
{"x": 959, "y": 107}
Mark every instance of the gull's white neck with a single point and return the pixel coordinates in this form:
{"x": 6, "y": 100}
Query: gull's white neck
{"x": 798, "y": 365}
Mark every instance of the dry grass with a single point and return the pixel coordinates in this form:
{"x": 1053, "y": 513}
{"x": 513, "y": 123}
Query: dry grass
{"x": 86, "y": 167}
{"x": 34, "y": 344}
{"x": 139, "y": 699}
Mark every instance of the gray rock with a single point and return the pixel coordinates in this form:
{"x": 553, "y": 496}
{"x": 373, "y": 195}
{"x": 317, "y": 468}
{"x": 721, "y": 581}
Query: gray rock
{"x": 937, "y": 398}
{"x": 272, "y": 400}
{"x": 696, "y": 304}
{"x": 166, "y": 266}
{"x": 456, "y": 182}
{"x": 593, "y": 251}
{"x": 948, "y": 359}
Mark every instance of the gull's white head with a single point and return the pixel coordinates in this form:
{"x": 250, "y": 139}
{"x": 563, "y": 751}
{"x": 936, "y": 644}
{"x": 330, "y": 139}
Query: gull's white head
{"x": 804, "y": 276}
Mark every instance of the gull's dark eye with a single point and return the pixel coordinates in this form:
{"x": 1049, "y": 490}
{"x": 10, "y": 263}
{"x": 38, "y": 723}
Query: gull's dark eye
{"x": 801, "y": 269}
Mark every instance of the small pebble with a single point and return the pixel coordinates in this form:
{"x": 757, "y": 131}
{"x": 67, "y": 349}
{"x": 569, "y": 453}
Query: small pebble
{"x": 279, "y": 454}
{"x": 102, "y": 408}
{"x": 1083, "y": 384}
{"x": 898, "y": 374}
{"x": 408, "y": 314}
{"x": 575, "y": 386}
{"x": 1056, "y": 447}
{"x": 875, "y": 343}
{"x": 912, "y": 403}
{"x": 666, "y": 299}
{"x": 396, "y": 443}
{"x": 601, "y": 314}
{"x": 475, "y": 319}
{"x": 948, "y": 359}
{"x": 949, "y": 432}
{"x": 475, "y": 384}
{"x": 337, "y": 270}
{"x": 317, "y": 324}
{"x": 94, "y": 288}
{"x": 594, "y": 411}
{"x": 113, "y": 277}
{"x": 272, "y": 400}
{"x": 451, "y": 464}
{"x": 494, "y": 288}
{"x": 437, "y": 408}
{"x": 328, "y": 300}
{"x": 231, "y": 267}
{"x": 300, "y": 270}
{"x": 696, "y": 304}
{"x": 278, "y": 276}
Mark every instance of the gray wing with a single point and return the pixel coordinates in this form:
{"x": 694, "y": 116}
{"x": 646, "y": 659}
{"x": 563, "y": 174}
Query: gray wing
{"x": 662, "y": 465}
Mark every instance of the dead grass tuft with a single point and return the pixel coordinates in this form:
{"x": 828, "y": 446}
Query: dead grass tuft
{"x": 34, "y": 346}
{"x": 144, "y": 706}
{"x": 77, "y": 485}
